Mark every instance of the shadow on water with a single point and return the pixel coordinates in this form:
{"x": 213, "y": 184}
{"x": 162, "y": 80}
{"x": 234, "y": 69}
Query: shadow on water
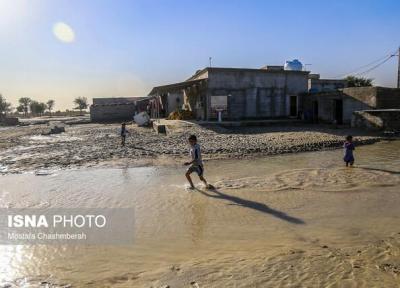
{"x": 261, "y": 207}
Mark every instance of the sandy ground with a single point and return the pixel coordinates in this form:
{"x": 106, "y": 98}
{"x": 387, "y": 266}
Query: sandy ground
{"x": 26, "y": 149}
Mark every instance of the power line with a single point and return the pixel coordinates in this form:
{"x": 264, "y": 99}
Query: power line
{"x": 384, "y": 59}
{"x": 376, "y": 66}
{"x": 361, "y": 67}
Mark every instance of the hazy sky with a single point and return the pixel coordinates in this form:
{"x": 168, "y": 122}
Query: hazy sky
{"x": 61, "y": 49}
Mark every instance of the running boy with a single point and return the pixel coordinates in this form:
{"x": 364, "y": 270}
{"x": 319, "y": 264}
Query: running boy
{"x": 196, "y": 165}
{"x": 348, "y": 151}
{"x": 123, "y": 134}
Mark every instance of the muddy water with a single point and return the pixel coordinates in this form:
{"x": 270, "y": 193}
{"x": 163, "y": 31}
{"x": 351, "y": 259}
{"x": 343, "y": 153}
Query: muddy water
{"x": 270, "y": 204}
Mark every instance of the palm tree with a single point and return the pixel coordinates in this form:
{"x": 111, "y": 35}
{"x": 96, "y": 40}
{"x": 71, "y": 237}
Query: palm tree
{"x": 50, "y": 105}
{"x": 81, "y": 103}
{"x": 353, "y": 81}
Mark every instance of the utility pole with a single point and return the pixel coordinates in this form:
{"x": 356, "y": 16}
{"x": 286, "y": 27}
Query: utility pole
{"x": 210, "y": 58}
{"x": 398, "y": 69}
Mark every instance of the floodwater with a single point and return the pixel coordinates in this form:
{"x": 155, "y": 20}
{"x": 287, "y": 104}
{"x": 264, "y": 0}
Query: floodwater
{"x": 268, "y": 204}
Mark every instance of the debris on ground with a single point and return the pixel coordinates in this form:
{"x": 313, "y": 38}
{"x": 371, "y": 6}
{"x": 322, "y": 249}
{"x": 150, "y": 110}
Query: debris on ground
{"x": 181, "y": 115}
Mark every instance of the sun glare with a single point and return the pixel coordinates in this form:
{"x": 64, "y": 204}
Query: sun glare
{"x": 64, "y": 32}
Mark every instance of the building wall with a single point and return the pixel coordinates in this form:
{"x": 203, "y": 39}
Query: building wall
{"x": 354, "y": 99}
{"x": 387, "y": 98}
{"x": 9, "y": 121}
{"x": 325, "y": 85}
{"x": 255, "y": 93}
{"x": 175, "y": 101}
{"x": 388, "y": 119}
{"x": 326, "y": 103}
{"x": 349, "y": 106}
{"x": 375, "y": 97}
{"x": 115, "y": 100}
{"x": 366, "y": 95}
{"x": 99, "y": 113}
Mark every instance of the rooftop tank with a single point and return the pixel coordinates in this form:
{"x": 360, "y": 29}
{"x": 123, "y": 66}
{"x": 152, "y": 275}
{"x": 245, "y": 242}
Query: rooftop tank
{"x": 294, "y": 65}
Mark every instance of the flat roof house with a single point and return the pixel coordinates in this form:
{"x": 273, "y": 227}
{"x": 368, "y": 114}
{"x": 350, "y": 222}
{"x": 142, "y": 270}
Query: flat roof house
{"x": 268, "y": 92}
{"x": 113, "y": 108}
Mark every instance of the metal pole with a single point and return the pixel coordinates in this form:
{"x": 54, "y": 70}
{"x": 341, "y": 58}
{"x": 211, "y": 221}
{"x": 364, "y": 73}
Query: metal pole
{"x": 398, "y": 69}
{"x": 158, "y": 109}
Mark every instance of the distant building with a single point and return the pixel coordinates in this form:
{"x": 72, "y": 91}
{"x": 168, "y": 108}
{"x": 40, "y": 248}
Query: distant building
{"x": 268, "y": 92}
{"x": 316, "y": 84}
{"x": 112, "y": 109}
{"x": 339, "y": 106}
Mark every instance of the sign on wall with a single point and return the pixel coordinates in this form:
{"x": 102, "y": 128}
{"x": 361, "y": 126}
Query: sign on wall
{"x": 219, "y": 102}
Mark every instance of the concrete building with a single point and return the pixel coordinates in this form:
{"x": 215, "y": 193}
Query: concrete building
{"x": 317, "y": 85}
{"x": 268, "y": 92}
{"x": 113, "y": 109}
{"x": 338, "y": 106}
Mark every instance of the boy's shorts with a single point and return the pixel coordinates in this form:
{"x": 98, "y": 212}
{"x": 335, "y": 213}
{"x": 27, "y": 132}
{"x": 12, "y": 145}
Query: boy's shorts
{"x": 196, "y": 168}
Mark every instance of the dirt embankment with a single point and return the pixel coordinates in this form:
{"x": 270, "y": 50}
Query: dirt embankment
{"x": 26, "y": 149}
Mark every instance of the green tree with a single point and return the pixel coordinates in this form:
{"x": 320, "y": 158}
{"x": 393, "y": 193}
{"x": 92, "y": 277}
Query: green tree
{"x": 50, "y": 105}
{"x": 353, "y": 81}
{"x": 37, "y": 108}
{"x": 20, "y": 109}
{"x": 5, "y": 106}
{"x": 81, "y": 103}
{"x": 24, "y": 103}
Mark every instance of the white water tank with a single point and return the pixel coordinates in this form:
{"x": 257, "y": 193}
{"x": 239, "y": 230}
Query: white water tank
{"x": 294, "y": 65}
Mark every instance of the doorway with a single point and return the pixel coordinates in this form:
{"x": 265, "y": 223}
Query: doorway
{"x": 315, "y": 112}
{"x": 338, "y": 112}
{"x": 293, "y": 106}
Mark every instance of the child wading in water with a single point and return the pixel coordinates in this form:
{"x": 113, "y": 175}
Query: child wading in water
{"x": 348, "y": 151}
{"x": 196, "y": 165}
{"x": 123, "y": 134}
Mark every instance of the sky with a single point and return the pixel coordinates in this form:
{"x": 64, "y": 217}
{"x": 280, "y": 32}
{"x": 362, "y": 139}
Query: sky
{"x": 63, "y": 49}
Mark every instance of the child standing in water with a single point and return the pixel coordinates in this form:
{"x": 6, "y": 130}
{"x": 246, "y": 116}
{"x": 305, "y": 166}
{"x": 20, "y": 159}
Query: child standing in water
{"x": 348, "y": 151}
{"x": 196, "y": 165}
{"x": 123, "y": 134}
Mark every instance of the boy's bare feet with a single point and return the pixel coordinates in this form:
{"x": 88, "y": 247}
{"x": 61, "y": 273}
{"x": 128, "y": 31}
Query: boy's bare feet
{"x": 210, "y": 187}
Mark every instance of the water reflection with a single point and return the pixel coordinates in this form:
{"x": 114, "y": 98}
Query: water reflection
{"x": 198, "y": 218}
